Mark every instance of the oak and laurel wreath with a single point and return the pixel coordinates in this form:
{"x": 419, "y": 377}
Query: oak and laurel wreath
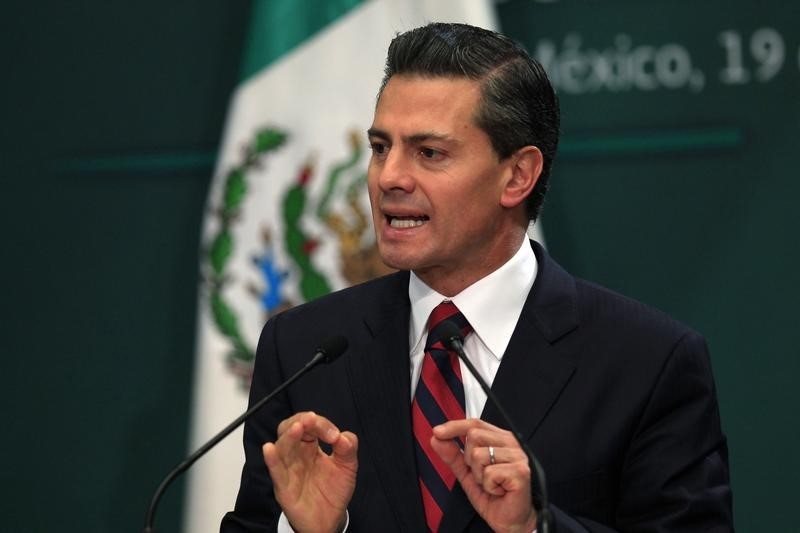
{"x": 222, "y": 244}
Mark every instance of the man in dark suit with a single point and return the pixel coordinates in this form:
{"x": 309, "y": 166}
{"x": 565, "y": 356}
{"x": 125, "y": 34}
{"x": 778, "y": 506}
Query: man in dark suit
{"x": 617, "y": 400}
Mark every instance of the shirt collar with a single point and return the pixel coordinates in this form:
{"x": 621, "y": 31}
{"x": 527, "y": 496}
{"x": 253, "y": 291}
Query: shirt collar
{"x": 492, "y": 305}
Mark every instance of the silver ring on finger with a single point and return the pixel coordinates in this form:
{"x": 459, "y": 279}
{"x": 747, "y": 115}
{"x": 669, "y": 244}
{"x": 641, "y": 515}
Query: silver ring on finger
{"x": 492, "y": 459}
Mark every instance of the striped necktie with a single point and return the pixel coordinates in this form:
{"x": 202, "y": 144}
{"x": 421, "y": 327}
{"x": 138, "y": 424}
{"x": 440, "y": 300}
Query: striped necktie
{"x": 439, "y": 397}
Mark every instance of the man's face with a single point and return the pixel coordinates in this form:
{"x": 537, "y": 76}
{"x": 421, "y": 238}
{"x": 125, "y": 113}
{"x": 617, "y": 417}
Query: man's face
{"x": 435, "y": 182}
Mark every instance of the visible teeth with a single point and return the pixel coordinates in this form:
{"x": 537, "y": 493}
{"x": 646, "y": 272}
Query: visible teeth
{"x": 406, "y": 222}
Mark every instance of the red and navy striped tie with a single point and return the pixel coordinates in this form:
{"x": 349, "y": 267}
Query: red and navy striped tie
{"x": 439, "y": 397}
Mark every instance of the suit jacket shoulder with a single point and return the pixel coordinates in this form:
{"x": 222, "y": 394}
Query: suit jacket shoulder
{"x": 635, "y": 425}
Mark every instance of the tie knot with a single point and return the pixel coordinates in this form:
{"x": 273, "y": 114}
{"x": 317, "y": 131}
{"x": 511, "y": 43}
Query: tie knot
{"x": 445, "y": 311}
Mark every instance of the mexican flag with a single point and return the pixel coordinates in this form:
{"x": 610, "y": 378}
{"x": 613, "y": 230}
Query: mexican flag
{"x": 288, "y": 217}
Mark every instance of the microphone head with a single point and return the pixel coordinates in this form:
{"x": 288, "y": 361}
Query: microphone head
{"x": 332, "y": 348}
{"x": 451, "y": 335}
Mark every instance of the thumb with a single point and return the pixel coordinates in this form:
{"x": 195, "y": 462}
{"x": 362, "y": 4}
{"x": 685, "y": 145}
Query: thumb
{"x": 345, "y": 449}
{"x": 451, "y": 454}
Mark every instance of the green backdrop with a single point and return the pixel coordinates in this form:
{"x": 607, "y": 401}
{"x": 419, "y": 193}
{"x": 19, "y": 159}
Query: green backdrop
{"x": 675, "y": 185}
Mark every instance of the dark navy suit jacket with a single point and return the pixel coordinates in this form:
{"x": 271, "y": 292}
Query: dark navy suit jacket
{"x": 616, "y": 399}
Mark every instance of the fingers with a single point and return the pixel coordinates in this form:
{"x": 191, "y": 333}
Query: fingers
{"x": 277, "y": 471}
{"x": 501, "y": 478}
{"x": 480, "y": 432}
{"x": 503, "y": 467}
{"x": 298, "y": 438}
{"x": 451, "y": 454}
{"x": 498, "y": 489}
{"x": 345, "y": 448}
{"x": 308, "y": 427}
{"x": 312, "y": 487}
{"x": 485, "y": 455}
{"x": 458, "y": 428}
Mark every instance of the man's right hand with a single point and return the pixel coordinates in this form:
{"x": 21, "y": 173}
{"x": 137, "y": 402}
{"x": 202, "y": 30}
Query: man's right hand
{"x": 312, "y": 487}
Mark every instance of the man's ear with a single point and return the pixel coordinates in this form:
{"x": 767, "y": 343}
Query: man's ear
{"x": 526, "y": 168}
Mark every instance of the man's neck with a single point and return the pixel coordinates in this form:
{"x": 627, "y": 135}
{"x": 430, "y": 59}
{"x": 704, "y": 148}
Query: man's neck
{"x": 451, "y": 281}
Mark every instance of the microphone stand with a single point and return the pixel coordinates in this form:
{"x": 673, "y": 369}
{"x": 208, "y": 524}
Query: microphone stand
{"x": 322, "y": 355}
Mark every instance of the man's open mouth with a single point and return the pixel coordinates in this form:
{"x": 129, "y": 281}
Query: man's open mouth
{"x": 406, "y": 221}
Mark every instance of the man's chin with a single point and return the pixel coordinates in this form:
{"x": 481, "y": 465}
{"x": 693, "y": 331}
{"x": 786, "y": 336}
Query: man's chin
{"x": 397, "y": 261}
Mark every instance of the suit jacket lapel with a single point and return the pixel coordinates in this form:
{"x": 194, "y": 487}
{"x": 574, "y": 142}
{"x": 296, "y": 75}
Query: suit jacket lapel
{"x": 533, "y": 371}
{"x": 379, "y": 372}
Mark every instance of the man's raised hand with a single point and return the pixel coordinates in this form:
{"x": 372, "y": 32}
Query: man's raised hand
{"x": 312, "y": 487}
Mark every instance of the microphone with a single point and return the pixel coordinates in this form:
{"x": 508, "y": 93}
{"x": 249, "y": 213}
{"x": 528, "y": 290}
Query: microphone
{"x": 455, "y": 342}
{"x": 327, "y": 352}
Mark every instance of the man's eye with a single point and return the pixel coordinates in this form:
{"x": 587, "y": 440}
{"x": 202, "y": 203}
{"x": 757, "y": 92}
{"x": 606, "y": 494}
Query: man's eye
{"x": 378, "y": 148}
{"x": 430, "y": 153}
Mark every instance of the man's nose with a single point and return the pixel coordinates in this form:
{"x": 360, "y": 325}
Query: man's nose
{"x": 396, "y": 173}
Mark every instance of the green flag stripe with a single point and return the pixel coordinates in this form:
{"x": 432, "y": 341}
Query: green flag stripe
{"x": 652, "y": 142}
{"x": 145, "y": 162}
{"x": 277, "y": 27}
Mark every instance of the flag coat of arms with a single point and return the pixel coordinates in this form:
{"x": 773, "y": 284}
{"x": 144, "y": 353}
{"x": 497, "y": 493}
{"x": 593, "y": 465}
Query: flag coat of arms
{"x": 287, "y": 216}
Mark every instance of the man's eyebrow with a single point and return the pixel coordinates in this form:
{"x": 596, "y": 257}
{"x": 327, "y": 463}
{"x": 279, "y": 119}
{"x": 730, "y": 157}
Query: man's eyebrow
{"x": 428, "y": 136}
{"x": 375, "y": 132}
{"x": 415, "y": 138}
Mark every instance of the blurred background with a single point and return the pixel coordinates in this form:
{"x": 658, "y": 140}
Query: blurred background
{"x": 676, "y": 184}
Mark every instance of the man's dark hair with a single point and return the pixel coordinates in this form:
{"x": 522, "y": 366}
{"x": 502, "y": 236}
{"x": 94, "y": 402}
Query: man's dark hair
{"x": 518, "y": 105}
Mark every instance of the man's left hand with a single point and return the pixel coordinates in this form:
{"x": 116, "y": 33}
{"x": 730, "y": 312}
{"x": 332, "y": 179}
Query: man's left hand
{"x": 493, "y": 472}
